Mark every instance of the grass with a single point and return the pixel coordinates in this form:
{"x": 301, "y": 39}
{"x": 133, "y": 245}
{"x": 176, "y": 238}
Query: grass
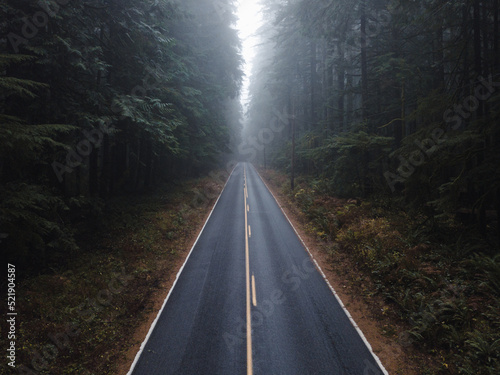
{"x": 437, "y": 278}
{"x": 81, "y": 317}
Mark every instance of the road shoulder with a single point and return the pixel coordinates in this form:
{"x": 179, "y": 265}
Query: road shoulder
{"x": 369, "y": 316}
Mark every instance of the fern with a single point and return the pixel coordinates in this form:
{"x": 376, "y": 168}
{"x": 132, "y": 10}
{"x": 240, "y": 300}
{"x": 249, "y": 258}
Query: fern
{"x": 28, "y": 214}
{"x": 7, "y": 60}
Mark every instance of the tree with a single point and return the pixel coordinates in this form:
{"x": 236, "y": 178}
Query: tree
{"x": 132, "y": 94}
{"x": 414, "y": 72}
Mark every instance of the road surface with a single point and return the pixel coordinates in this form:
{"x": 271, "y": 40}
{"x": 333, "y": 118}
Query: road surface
{"x": 249, "y": 300}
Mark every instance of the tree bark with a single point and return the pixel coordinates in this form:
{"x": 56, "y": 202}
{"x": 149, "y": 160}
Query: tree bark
{"x": 149, "y": 164}
{"x": 341, "y": 88}
{"x": 477, "y": 37}
{"x": 312, "y": 73}
{"x": 292, "y": 178}
{"x": 329, "y": 90}
{"x": 364, "y": 63}
{"x": 496, "y": 32}
{"x": 106, "y": 167}
{"x": 94, "y": 173}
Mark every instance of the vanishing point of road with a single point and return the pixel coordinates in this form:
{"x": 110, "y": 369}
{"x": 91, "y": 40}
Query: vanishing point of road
{"x": 250, "y": 300}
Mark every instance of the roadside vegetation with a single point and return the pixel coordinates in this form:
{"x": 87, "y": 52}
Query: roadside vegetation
{"x": 104, "y": 105}
{"x": 437, "y": 277}
{"x": 389, "y": 138}
{"x": 80, "y": 317}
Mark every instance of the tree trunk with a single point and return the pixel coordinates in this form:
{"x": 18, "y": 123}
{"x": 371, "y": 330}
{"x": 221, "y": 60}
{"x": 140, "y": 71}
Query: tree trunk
{"x": 341, "y": 88}
{"x": 400, "y": 129}
{"x": 478, "y": 66}
{"x": 106, "y": 167}
{"x": 324, "y": 85}
{"x": 292, "y": 131}
{"x": 350, "y": 101}
{"x": 477, "y": 37}
{"x": 94, "y": 173}
{"x": 292, "y": 177}
{"x": 438, "y": 56}
{"x": 364, "y": 63}
{"x": 312, "y": 73}
{"x": 329, "y": 90}
{"x": 149, "y": 164}
{"x": 496, "y": 32}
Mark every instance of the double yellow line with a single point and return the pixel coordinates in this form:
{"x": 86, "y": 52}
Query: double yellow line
{"x": 247, "y": 271}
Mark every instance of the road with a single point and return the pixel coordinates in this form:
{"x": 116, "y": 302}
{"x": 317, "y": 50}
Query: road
{"x": 249, "y": 300}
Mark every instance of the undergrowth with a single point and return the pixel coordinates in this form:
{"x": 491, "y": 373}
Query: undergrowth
{"x": 438, "y": 277}
{"x": 80, "y": 317}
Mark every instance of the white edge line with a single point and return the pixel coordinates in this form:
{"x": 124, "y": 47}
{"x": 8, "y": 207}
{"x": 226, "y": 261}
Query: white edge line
{"x": 153, "y": 325}
{"x": 377, "y": 359}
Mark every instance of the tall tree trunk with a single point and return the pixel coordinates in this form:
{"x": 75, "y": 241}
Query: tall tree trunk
{"x": 496, "y": 32}
{"x": 496, "y": 63}
{"x": 149, "y": 164}
{"x": 438, "y": 56}
{"x": 94, "y": 173}
{"x": 400, "y": 128}
{"x": 112, "y": 168}
{"x": 78, "y": 179}
{"x": 364, "y": 63}
{"x": 137, "y": 169}
{"x": 341, "y": 88}
{"x": 291, "y": 105}
{"x": 479, "y": 112}
{"x": 106, "y": 167}
{"x": 484, "y": 24}
{"x": 476, "y": 22}
{"x": 329, "y": 84}
{"x": 312, "y": 73}
{"x": 350, "y": 100}
{"x": 324, "y": 84}
{"x": 292, "y": 177}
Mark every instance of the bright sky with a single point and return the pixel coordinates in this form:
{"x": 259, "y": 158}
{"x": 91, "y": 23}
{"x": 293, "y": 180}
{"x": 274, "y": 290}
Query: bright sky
{"x": 248, "y": 23}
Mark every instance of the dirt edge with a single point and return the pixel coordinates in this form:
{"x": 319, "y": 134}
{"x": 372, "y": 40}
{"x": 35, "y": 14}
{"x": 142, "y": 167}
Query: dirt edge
{"x": 396, "y": 358}
{"x": 158, "y": 298}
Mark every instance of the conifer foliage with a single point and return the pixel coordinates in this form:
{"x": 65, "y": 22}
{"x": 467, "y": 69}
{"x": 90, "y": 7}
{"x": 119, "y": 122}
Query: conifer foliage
{"x": 103, "y": 97}
{"x": 399, "y": 98}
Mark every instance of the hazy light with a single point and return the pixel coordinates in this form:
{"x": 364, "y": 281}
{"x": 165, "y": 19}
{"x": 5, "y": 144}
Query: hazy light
{"x": 248, "y": 23}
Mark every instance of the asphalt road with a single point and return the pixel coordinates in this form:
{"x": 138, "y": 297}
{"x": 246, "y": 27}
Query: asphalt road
{"x": 249, "y": 300}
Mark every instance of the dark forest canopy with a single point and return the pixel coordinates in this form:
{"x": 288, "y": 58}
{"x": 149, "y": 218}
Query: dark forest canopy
{"x": 104, "y": 97}
{"x": 371, "y": 97}
{"x": 400, "y": 98}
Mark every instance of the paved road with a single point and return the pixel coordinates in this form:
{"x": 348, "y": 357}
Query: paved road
{"x": 250, "y": 301}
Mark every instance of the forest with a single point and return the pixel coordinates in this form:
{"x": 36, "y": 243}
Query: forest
{"x": 376, "y": 118}
{"x": 102, "y": 98}
{"x": 393, "y": 106}
{"x": 386, "y": 97}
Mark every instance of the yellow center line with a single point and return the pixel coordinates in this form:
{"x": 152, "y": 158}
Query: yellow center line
{"x": 247, "y": 271}
{"x": 254, "y": 293}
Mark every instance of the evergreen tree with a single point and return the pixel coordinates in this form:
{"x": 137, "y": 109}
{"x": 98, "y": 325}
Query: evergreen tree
{"x": 102, "y": 97}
